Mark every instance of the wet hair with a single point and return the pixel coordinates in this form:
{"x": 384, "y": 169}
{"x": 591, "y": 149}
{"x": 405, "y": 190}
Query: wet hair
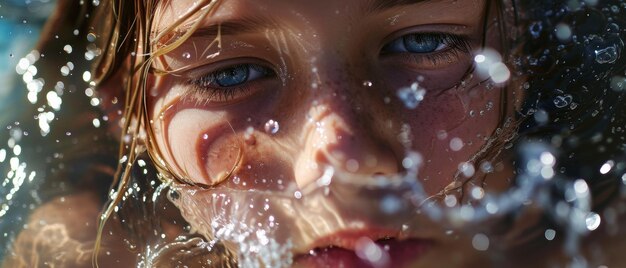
{"x": 572, "y": 94}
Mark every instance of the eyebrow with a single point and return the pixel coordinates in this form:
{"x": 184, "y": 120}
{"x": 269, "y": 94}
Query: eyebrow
{"x": 375, "y": 6}
{"x": 256, "y": 23}
{"x": 233, "y": 27}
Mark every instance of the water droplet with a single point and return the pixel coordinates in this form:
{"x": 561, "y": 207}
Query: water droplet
{"x": 352, "y": 165}
{"x": 369, "y": 251}
{"x": 95, "y": 2}
{"x": 550, "y": 234}
{"x": 272, "y": 127}
{"x": 563, "y": 32}
{"x": 86, "y": 76}
{"x": 450, "y": 200}
{"x": 618, "y": 83}
{"x": 535, "y": 29}
{"x": 67, "y": 49}
{"x": 411, "y": 96}
{"x": 486, "y": 167}
{"x": 91, "y": 37}
{"x": 480, "y": 242}
{"x": 489, "y": 106}
{"x": 606, "y": 55}
{"x": 478, "y": 193}
{"x": 456, "y": 144}
{"x": 65, "y": 71}
{"x": 499, "y": 73}
{"x": 592, "y": 221}
{"x": 562, "y": 101}
{"x": 467, "y": 169}
{"x": 442, "y": 134}
{"x": 606, "y": 167}
{"x": 541, "y": 117}
{"x": 390, "y": 204}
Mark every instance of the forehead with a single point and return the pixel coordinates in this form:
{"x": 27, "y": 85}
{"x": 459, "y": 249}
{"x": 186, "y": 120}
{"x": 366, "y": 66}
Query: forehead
{"x": 316, "y": 12}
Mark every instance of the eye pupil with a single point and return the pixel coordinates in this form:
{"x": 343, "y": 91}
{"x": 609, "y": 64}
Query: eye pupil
{"x": 415, "y": 44}
{"x": 232, "y": 76}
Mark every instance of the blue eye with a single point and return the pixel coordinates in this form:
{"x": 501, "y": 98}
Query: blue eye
{"x": 235, "y": 75}
{"x": 232, "y": 76}
{"x": 418, "y": 43}
{"x": 239, "y": 74}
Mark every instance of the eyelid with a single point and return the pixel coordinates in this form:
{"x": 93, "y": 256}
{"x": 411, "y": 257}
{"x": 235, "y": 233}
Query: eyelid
{"x": 208, "y": 68}
{"x": 223, "y": 94}
{"x": 440, "y": 29}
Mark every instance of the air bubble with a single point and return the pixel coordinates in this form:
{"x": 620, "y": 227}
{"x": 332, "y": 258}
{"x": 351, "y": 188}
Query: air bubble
{"x": 562, "y": 101}
{"x": 606, "y": 55}
{"x": 187, "y": 55}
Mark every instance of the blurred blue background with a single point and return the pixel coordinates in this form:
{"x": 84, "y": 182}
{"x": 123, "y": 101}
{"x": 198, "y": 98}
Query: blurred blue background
{"x": 21, "y": 22}
{"x": 20, "y": 25}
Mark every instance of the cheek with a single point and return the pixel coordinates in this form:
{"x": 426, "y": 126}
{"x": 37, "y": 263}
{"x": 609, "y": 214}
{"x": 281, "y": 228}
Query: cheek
{"x": 449, "y": 129}
{"x": 200, "y": 145}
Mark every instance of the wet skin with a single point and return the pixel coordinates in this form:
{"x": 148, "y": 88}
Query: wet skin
{"x": 328, "y": 73}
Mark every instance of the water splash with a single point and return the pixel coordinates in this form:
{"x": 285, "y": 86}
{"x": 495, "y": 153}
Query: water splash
{"x": 411, "y": 96}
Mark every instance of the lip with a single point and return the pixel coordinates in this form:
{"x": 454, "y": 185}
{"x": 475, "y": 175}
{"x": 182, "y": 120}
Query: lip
{"x": 346, "y": 249}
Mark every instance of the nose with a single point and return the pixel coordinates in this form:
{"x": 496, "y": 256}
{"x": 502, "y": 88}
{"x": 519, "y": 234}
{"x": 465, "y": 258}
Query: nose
{"x": 346, "y": 132}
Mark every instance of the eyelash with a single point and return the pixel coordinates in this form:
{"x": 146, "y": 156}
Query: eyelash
{"x": 453, "y": 45}
{"x": 206, "y": 89}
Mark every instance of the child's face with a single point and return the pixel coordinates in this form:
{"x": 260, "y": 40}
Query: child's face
{"x": 297, "y": 88}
